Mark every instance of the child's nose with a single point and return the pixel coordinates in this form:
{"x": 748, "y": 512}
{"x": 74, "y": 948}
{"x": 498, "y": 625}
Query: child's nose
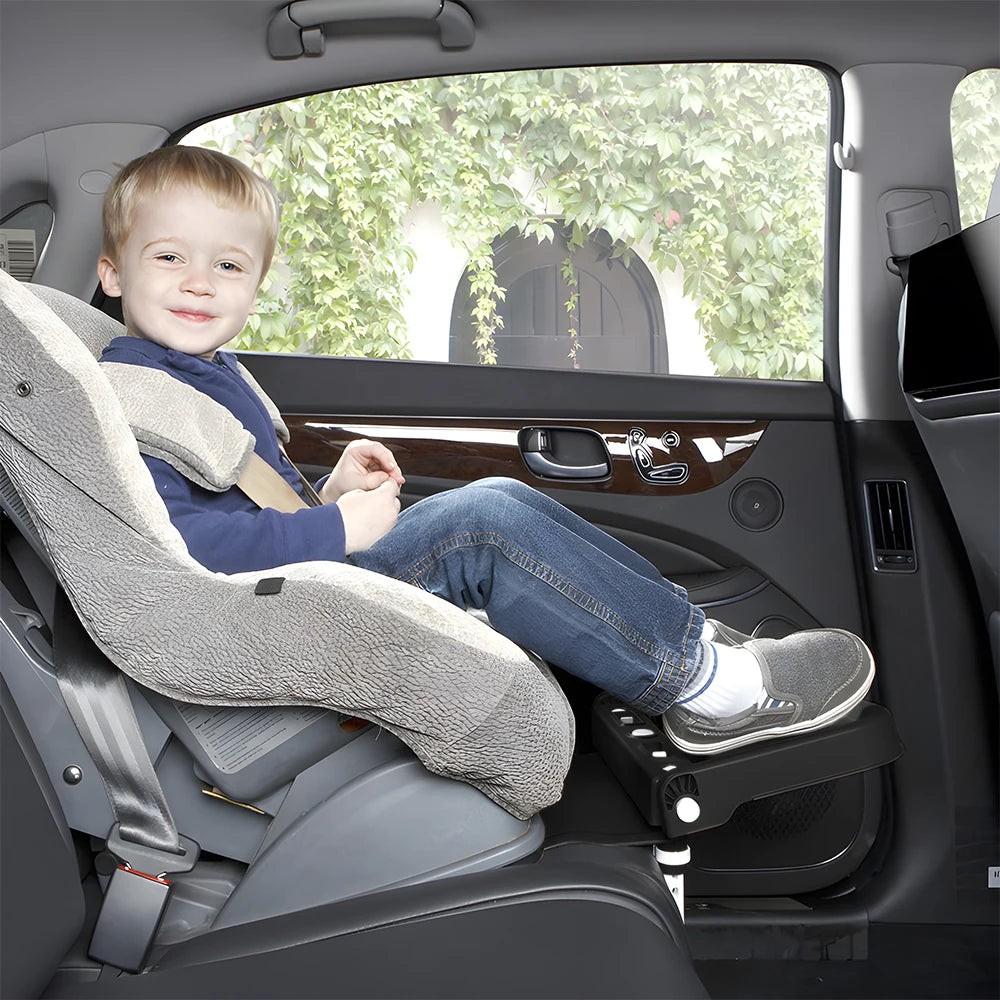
{"x": 197, "y": 280}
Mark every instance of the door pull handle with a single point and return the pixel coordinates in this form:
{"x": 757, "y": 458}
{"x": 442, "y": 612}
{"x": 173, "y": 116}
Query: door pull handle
{"x": 545, "y": 467}
{"x": 538, "y": 447}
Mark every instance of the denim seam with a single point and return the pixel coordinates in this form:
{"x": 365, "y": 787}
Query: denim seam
{"x": 546, "y": 575}
{"x": 652, "y": 699}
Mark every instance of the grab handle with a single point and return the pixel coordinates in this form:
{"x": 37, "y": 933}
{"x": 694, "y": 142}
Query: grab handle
{"x": 297, "y": 28}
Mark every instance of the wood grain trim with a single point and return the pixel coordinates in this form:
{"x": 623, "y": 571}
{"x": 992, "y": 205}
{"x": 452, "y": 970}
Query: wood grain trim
{"x": 473, "y": 449}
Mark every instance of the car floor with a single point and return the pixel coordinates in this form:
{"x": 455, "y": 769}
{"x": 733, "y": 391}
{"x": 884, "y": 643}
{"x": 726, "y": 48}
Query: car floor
{"x": 912, "y": 961}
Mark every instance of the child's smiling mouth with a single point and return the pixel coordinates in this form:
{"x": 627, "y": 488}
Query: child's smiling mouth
{"x": 193, "y": 317}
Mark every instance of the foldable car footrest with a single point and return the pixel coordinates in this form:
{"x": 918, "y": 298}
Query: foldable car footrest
{"x": 685, "y": 794}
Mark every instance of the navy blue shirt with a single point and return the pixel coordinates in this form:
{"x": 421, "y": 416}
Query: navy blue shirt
{"x": 227, "y": 532}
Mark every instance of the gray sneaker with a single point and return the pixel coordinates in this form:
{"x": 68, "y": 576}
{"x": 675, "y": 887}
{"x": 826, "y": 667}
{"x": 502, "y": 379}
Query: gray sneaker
{"x": 812, "y": 679}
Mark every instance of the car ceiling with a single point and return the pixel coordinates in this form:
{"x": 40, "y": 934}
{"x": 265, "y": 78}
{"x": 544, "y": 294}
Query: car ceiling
{"x": 172, "y": 62}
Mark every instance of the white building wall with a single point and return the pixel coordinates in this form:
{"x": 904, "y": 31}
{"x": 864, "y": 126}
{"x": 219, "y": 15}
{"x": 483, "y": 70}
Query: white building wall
{"x": 430, "y": 288}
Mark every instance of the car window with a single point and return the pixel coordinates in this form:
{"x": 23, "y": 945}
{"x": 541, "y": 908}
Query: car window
{"x": 975, "y": 139}
{"x": 640, "y": 218}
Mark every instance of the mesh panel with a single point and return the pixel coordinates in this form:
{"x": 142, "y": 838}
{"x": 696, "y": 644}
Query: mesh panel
{"x": 789, "y": 814}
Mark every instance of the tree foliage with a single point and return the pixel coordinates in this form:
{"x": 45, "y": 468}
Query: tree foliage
{"x": 719, "y": 169}
{"x": 975, "y": 127}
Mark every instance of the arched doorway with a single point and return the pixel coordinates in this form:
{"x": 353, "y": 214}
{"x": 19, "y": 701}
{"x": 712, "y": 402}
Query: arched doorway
{"x": 617, "y": 315}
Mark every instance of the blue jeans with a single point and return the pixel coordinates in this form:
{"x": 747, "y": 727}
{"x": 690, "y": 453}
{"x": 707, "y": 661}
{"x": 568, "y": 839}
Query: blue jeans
{"x": 552, "y": 582}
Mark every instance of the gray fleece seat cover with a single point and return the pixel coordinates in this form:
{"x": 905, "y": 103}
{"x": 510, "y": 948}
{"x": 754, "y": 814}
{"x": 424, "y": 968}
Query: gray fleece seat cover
{"x": 470, "y": 703}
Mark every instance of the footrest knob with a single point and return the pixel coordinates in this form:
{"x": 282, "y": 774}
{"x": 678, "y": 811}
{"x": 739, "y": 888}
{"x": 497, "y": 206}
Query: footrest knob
{"x": 687, "y": 809}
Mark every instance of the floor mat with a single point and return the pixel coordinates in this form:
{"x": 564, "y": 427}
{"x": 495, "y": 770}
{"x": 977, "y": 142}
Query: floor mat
{"x": 911, "y": 961}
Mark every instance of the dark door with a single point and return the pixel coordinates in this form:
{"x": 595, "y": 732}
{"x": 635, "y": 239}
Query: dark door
{"x": 586, "y": 307}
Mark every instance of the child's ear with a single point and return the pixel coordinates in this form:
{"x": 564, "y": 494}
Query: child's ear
{"x": 108, "y": 274}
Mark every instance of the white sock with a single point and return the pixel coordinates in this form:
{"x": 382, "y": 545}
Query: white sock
{"x": 729, "y": 682}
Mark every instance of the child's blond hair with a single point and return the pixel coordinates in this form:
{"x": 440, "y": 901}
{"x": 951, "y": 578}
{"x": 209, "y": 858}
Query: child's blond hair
{"x": 222, "y": 178}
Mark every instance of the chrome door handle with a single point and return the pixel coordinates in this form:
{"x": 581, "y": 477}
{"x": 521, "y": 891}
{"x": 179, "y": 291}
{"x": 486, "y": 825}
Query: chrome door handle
{"x": 542, "y": 466}
{"x": 540, "y": 445}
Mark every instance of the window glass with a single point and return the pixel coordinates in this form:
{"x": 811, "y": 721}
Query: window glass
{"x": 22, "y": 236}
{"x": 642, "y": 219}
{"x": 975, "y": 139}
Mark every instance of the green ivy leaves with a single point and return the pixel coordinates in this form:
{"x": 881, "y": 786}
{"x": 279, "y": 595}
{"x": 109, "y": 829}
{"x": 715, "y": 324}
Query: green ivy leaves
{"x": 716, "y": 169}
{"x": 975, "y": 126}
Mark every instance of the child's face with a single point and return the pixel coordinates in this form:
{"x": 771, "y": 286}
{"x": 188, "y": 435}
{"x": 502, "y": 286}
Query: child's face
{"x": 188, "y": 272}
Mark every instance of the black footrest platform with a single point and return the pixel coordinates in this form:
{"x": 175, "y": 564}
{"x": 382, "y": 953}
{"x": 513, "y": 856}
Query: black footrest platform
{"x": 684, "y": 794}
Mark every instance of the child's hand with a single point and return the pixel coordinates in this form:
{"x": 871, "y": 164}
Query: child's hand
{"x": 364, "y": 465}
{"x": 368, "y": 515}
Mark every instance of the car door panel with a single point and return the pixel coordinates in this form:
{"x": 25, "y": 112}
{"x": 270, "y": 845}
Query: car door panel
{"x": 757, "y": 528}
{"x": 708, "y": 453}
{"x": 453, "y": 424}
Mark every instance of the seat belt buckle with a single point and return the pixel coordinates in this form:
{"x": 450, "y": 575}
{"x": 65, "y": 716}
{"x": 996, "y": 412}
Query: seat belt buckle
{"x": 135, "y": 899}
{"x": 130, "y": 915}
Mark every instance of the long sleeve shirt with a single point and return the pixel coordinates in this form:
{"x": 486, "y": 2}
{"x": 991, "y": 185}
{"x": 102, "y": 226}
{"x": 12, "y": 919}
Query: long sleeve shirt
{"x": 226, "y": 532}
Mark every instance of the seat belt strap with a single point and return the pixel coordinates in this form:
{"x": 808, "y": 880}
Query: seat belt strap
{"x": 268, "y": 488}
{"x": 307, "y": 488}
{"x": 98, "y": 701}
{"x": 144, "y": 838}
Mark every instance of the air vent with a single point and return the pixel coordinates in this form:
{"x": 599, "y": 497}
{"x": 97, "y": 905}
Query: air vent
{"x": 889, "y": 526}
{"x": 17, "y": 253}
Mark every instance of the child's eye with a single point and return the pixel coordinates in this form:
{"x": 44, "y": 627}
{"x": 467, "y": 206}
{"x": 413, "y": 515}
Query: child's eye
{"x": 168, "y": 258}
{"x": 228, "y": 265}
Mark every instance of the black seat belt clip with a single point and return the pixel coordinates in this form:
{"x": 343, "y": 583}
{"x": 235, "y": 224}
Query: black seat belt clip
{"x": 135, "y": 900}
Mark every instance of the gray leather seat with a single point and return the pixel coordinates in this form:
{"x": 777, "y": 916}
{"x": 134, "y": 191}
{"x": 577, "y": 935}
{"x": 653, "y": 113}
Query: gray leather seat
{"x": 587, "y": 928}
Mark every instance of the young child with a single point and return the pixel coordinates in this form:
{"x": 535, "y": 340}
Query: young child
{"x": 188, "y": 237}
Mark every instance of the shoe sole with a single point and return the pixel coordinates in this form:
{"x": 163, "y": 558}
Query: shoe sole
{"x": 776, "y": 732}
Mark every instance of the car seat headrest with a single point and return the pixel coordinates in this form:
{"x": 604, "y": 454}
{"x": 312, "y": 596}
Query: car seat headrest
{"x": 94, "y": 328}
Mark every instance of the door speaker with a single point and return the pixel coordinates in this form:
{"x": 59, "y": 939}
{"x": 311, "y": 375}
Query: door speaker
{"x": 756, "y": 504}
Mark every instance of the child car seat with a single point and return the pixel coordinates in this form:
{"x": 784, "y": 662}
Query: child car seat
{"x": 471, "y": 704}
{"x": 320, "y": 639}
